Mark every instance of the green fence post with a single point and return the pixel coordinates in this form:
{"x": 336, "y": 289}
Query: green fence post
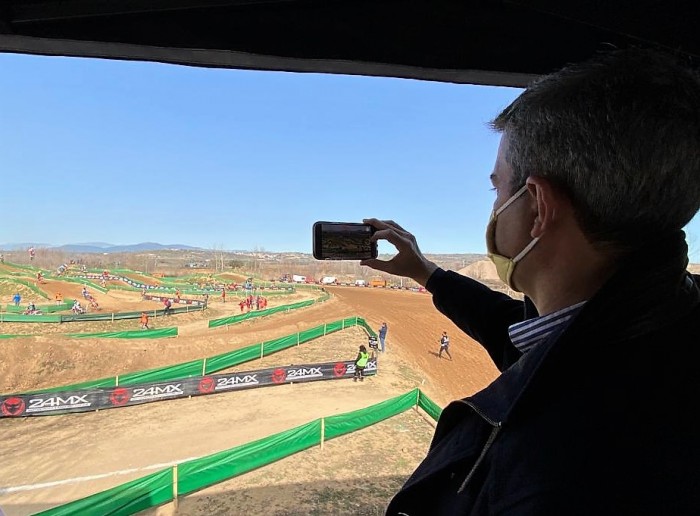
{"x": 297, "y": 338}
{"x": 262, "y": 349}
{"x": 324, "y": 328}
{"x": 323, "y": 431}
{"x": 116, "y": 381}
{"x": 204, "y": 366}
{"x": 112, "y": 316}
{"x": 175, "y": 487}
{"x": 342, "y": 327}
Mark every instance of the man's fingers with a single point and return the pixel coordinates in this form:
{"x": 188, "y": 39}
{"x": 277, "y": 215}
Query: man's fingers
{"x": 374, "y": 263}
{"x": 401, "y": 242}
{"x": 395, "y": 225}
{"x": 385, "y": 224}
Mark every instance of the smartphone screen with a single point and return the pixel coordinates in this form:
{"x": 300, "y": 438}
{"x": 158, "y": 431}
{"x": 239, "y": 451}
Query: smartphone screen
{"x": 343, "y": 241}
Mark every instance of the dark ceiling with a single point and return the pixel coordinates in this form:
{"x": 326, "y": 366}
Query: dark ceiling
{"x": 496, "y": 42}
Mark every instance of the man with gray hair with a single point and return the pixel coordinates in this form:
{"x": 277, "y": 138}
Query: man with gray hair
{"x": 597, "y": 172}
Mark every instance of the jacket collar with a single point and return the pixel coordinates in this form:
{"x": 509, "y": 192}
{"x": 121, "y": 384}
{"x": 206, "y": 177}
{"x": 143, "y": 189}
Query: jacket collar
{"x": 651, "y": 288}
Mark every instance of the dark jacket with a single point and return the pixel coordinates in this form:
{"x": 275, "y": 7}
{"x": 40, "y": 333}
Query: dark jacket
{"x": 598, "y": 419}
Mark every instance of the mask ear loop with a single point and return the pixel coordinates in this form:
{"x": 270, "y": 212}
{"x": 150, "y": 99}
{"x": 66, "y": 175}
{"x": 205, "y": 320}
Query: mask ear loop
{"x": 522, "y": 253}
{"x": 510, "y": 201}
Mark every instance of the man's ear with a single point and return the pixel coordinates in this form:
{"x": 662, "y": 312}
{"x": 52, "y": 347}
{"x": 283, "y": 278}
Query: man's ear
{"x": 544, "y": 201}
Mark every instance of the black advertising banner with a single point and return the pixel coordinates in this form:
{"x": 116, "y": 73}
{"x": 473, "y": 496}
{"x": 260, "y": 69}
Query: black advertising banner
{"x": 89, "y": 400}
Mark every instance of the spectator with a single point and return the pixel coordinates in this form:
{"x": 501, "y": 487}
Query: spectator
{"x": 382, "y": 335}
{"x": 597, "y": 173}
{"x": 167, "y": 306}
{"x": 16, "y": 299}
{"x": 59, "y": 298}
{"x": 223, "y": 295}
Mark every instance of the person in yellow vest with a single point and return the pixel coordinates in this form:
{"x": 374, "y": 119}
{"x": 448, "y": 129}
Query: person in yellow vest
{"x": 361, "y": 363}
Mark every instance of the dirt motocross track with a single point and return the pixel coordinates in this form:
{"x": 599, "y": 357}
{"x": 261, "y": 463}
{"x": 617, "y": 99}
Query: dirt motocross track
{"x": 106, "y": 448}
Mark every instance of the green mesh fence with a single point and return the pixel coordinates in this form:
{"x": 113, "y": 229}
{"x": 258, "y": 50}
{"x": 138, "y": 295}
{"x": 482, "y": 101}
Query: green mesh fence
{"x": 200, "y": 473}
{"x": 215, "y": 363}
{"x": 95, "y": 316}
{"x": 149, "y": 491}
{"x": 55, "y": 318}
{"x": 132, "y": 334}
{"x": 197, "y": 474}
{"x": 66, "y": 305}
{"x": 235, "y": 319}
{"x": 335, "y": 426}
{"x": 429, "y": 406}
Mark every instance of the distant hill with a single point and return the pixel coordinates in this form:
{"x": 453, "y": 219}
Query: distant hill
{"x": 480, "y": 270}
{"x": 101, "y": 247}
{"x": 22, "y": 246}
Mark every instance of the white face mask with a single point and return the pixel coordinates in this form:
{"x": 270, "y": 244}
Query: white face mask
{"x": 504, "y": 265}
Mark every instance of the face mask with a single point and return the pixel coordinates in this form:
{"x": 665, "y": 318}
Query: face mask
{"x": 505, "y": 266}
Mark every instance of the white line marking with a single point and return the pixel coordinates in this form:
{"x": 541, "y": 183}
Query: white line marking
{"x": 75, "y": 480}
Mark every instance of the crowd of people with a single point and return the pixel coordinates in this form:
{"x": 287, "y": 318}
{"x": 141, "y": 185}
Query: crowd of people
{"x": 252, "y": 302}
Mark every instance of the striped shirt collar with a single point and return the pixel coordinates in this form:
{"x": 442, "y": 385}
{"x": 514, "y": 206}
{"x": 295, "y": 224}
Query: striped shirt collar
{"x": 526, "y": 334}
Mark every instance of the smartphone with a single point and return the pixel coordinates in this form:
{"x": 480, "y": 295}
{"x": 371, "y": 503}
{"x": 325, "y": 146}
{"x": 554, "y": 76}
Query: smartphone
{"x": 343, "y": 241}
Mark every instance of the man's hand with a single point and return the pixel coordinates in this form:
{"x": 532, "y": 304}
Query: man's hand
{"x": 409, "y": 261}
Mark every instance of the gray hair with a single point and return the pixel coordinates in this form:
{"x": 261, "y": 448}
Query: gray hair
{"x": 620, "y": 135}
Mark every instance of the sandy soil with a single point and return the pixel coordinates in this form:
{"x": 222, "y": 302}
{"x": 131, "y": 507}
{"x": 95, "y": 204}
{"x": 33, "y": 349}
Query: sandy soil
{"x": 135, "y": 441}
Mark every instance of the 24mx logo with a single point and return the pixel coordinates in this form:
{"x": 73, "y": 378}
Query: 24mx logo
{"x": 57, "y": 403}
{"x": 304, "y": 372}
{"x": 236, "y": 381}
{"x": 279, "y": 375}
{"x": 157, "y": 392}
{"x": 339, "y": 369}
{"x": 12, "y": 406}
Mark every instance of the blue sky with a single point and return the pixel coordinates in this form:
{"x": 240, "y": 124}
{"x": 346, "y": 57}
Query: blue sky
{"x": 126, "y": 152}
